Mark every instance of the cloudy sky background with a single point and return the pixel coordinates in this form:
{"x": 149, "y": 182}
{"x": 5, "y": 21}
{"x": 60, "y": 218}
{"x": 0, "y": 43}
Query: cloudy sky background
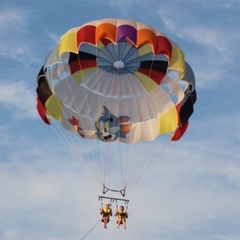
{"x": 192, "y": 189}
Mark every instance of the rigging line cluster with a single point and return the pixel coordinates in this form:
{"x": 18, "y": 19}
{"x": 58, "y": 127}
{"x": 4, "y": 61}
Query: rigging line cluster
{"x": 68, "y": 140}
{"x": 151, "y": 161}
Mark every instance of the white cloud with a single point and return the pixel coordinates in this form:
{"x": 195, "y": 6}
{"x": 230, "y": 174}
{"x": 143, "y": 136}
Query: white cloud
{"x": 210, "y": 45}
{"x": 232, "y": 171}
{"x": 13, "y": 19}
{"x": 14, "y": 43}
{"x": 208, "y": 35}
{"x": 18, "y": 98}
{"x": 223, "y": 3}
{"x": 35, "y": 193}
{"x": 227, "y": 237}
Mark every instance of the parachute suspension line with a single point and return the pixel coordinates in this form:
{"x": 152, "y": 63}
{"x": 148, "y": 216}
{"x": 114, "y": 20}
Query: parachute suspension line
{"x": 90, "y": 230}
{"x": 138, "y": 166}
{"x": 108, "y": 161}
{"x": 103, "y": 162}
{"x": 100, "y": 157}
{"x": 126, "y": 167}
{"x": 135, "y": 168}
{"x": 103, "y": 147}
{"x": 121, "y": 180}
{"x": 150, "y": 162}
{"x": 127, "y": 175}
{"x": 63, "y": 137}
{"x": 88, "y": 155}
{"x": 67, "y": 139}
{"x": 111, "y": 153}
{"x": 121, "y": 172}
{"x": 123, "y": 156}
{"x": 141, "y": 169}
{"x": 99, "y": 160}
{"x": 73, "y": 143}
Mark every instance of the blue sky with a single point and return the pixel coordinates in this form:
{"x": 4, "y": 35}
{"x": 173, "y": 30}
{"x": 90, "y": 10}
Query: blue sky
{"x": 192, "y": 189}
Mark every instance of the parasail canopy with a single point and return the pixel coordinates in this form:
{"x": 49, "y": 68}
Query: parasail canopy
{"x": 117, "y": 80}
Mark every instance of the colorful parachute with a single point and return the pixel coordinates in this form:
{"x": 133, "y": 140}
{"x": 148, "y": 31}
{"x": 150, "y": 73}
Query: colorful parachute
{"x": 116, "y": 79}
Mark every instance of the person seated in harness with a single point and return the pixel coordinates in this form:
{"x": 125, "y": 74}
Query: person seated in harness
{"x": 106, "y": 213}
{"x": 121, "y": 215}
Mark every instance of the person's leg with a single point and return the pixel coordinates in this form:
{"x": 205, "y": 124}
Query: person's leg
{"x": 118, "y": 223}
{"x": 105, "y": 222}
{"x": 124, "y": 223}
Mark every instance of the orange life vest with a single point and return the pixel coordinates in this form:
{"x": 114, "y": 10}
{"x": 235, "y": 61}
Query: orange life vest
{"x": 121, "y": 214}
{"x": 106, "y": 212}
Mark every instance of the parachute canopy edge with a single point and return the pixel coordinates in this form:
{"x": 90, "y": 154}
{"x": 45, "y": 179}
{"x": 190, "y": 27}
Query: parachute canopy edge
{"x": 68, "y": 93}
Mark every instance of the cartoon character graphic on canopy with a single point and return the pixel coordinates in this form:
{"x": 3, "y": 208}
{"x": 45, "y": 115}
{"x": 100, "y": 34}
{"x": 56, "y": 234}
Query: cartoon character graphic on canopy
{"x": 109, "y": 127}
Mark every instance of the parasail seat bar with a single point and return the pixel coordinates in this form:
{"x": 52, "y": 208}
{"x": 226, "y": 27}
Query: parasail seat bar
{"x": 112, "y": 199}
